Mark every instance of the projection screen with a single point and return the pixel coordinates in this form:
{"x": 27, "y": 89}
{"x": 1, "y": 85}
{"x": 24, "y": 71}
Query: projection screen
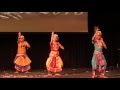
{"x": 43, "y": 21}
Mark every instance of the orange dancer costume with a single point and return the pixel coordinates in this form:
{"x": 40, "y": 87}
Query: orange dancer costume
{"x": 22, "y": 61}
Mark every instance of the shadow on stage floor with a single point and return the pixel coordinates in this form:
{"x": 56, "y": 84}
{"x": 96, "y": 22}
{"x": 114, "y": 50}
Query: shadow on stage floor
{"x": 66, "y": 73}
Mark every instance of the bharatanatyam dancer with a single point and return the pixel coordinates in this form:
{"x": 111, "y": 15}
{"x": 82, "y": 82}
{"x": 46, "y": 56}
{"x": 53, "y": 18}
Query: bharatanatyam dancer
{"x": 54, "y": 62}
{"x": 98, "y": 60}
{"x": 22, "y": 61}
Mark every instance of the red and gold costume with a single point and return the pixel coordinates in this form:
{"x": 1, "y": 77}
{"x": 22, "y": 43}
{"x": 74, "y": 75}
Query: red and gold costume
{"x": 54, "y": 62}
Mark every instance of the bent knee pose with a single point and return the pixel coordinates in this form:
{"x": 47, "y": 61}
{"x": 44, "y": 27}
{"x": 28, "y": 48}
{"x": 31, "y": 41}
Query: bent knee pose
{"x": 98, "y": 60}
{"x": 54, "y": 62}
{"x": 22, "y": 61}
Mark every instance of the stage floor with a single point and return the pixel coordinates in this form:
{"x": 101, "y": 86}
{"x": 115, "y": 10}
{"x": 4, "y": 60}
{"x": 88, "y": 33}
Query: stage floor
{"x": 66, "y": 73}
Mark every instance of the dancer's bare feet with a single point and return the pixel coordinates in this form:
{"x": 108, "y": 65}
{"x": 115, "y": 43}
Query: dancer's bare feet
{"x": 57, "y": 74}
{"x": 49, "y": 74}
{"x": 103, "y": 76}
{"x": 94, "y": 76}
{"x": 16, "y": 72}
{"x": 27, "y": 72}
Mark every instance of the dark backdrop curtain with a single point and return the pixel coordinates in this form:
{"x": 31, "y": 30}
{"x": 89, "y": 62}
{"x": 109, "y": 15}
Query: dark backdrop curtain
{"x": 75, "y": 54}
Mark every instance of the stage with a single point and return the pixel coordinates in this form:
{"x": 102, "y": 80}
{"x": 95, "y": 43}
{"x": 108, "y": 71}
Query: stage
{"x": 66, "y": 73}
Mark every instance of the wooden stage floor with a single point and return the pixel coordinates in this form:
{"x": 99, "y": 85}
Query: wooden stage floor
{"x": 66, "y": 73}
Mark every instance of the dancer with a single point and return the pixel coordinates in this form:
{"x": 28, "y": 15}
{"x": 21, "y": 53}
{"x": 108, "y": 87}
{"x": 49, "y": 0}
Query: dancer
{"x": 98, "y": 59}
{"x": 22, "y": 61}
{"x": 54, "y": 62}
